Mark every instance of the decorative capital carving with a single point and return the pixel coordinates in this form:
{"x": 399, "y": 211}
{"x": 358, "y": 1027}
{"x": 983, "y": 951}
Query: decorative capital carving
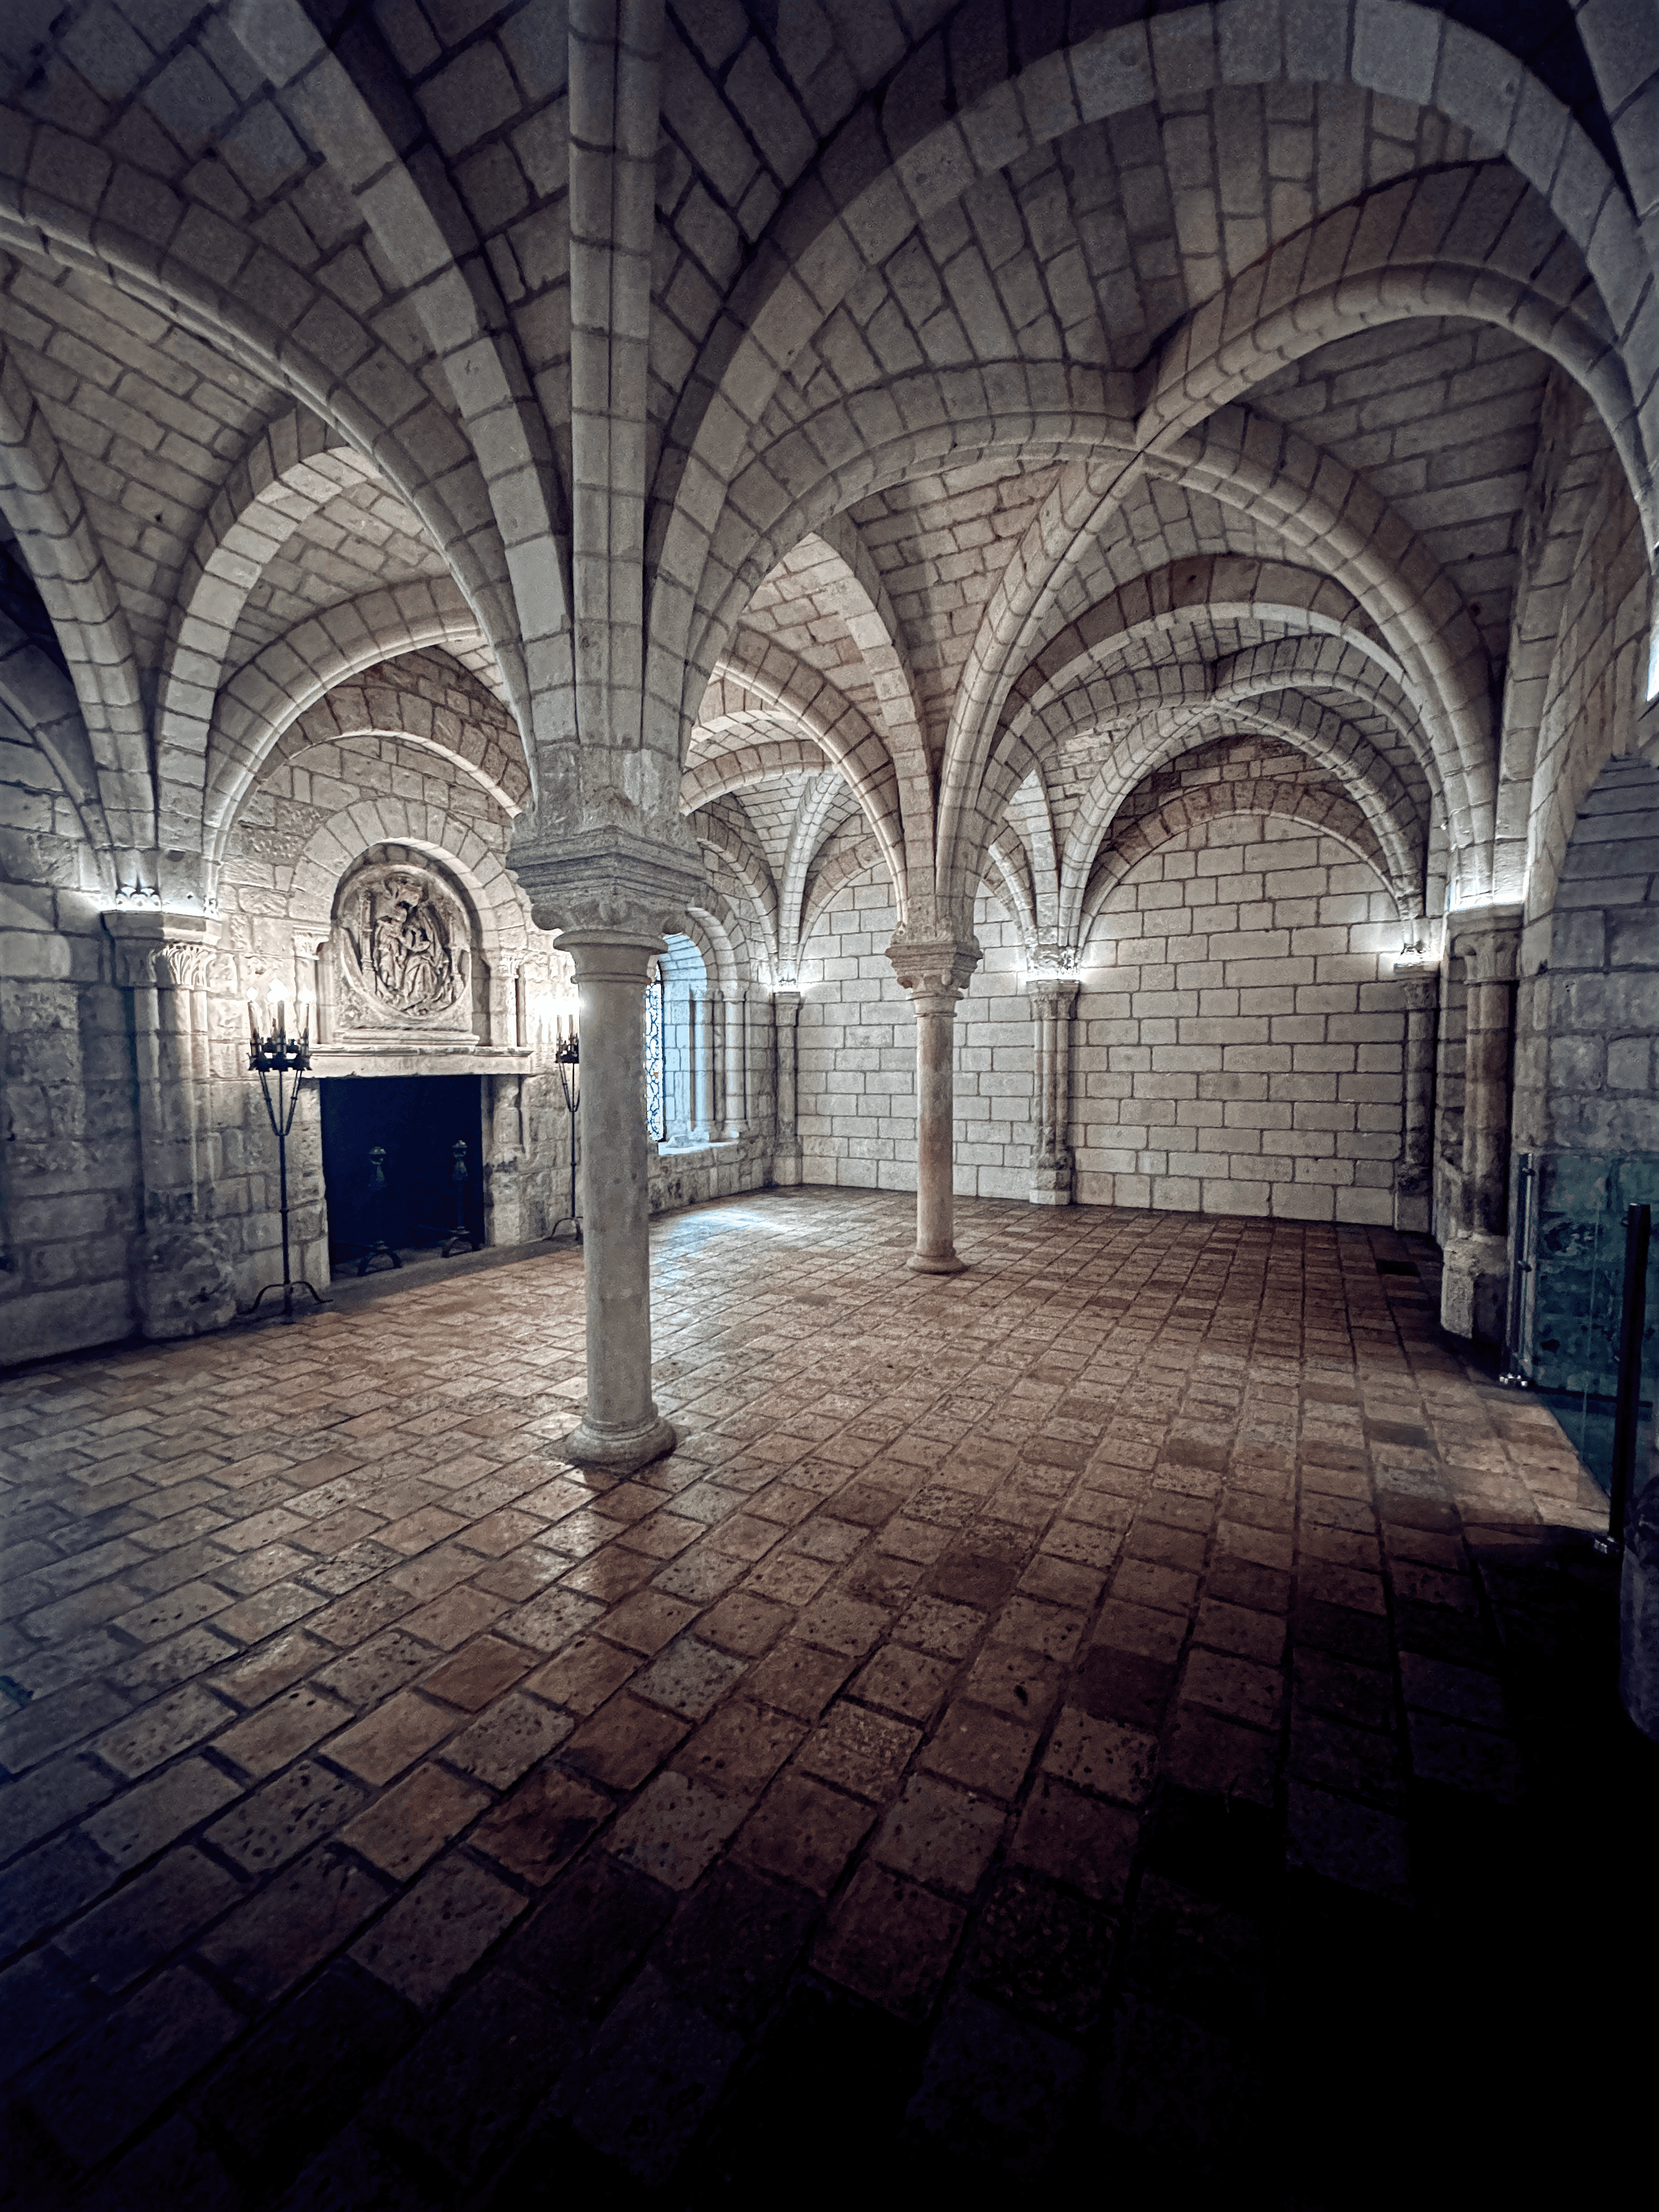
{"x": 609, "y": 880}
{"x": 160, "y": 950}
{"x": 932, "y": 967}
{"x": 1055, "y": 993}
{"x": 1488, "y": 944}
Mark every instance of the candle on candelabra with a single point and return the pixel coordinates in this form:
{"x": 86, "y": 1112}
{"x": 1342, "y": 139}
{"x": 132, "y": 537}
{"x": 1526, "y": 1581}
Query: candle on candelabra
{"x": 252, "y": 1021}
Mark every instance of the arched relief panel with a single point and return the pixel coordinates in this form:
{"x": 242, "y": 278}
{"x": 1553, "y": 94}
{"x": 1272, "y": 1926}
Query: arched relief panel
{"x": 406, "y": 969}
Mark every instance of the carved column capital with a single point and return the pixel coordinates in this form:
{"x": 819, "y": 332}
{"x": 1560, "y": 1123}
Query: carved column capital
{"x": 609, "y": 881}
{"x": 1489, "y": 944}
{"x": 934, "y": 970}
{"x": 161, "y": 950}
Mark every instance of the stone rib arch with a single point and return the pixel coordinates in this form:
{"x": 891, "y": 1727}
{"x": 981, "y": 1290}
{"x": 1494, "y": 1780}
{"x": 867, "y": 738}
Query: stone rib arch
{"x": 41, "y": 697}
{"x": 860, "y": 859}
{"x": 747, "y": 862}
{"x": 1229, "y": 588}
{"x": 868, "y": 613}
{"x": 272, "y": 691}
{"x": 1007, "y": 857}
{"x": 1165, "y": 736}
{"x": 1399, "y": 50}
{"x": 807, "y": 837}
{"x": 737, "y": 768}
{"x": 709, "y": 934}
{"x": 1032, "y": 818}
{"x": 1338, "y": 819}
{"x": 1019, "y": 411}
{"x": 397, "y": 702}
{"x": 1460, "y": 241}
{"x": 1394, "y": 580}
{"x": 45, "y": 511}
{"x": 293, "y": 467}
{"x": 772, "y": 677}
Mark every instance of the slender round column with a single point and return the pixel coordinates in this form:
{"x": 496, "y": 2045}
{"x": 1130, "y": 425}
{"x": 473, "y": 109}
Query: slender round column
{"x": 936, "y": 1147}
{"x": 934, "y": 971}
{"x": 699, "y": 1032}
{"x": 622, "y": 1428}
{"x": 734, "y": 1017}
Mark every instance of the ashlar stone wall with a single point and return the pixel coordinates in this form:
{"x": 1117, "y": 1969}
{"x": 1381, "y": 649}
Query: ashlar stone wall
{"x": 1239, "y": 1032}
{"x": 857, "y": 1055}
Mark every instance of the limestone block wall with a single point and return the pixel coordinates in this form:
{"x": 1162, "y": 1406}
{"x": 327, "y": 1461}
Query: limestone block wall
{"x": 1590, "y": 1020}
{"x": 857, "y": 1044}
{"x": 69, "y": 1136}
{"x": 1239, "y": 1034}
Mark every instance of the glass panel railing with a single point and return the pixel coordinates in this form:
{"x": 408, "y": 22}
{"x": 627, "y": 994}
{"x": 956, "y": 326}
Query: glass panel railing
{"x": 1567, "y": 1296}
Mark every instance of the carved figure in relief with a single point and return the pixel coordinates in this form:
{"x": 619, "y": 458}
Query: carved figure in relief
{"x": 399, "y": 945}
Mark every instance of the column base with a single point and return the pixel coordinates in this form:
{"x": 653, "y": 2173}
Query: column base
{"x": 620, "y": 1452}
{"x": 786, "y": 1164}
{"x": 1474, "y": 1289}
{"x": 935, "y": 1263}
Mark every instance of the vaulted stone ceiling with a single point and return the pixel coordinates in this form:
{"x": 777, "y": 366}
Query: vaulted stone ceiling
{"x": 965, "y": 326}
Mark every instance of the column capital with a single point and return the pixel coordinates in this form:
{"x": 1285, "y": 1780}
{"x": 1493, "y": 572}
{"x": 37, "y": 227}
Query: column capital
{"x": 609, "y": 880}
{"x": 1418, "y": 993}
{"x": 172, "y": 952}
{"x": 787, "y": 1003}
{"x": 1488, "y": 943}
{"x": 932, "y": 966}
{"x": 1055, "y": 991}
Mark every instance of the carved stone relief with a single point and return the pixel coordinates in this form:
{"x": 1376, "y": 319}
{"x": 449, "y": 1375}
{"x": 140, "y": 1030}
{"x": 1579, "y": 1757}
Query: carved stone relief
{"x": 403, "y": 954}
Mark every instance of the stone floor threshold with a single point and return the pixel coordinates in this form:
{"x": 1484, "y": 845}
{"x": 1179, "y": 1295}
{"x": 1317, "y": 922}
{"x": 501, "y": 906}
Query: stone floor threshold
{"x": 1140, "y": 1712}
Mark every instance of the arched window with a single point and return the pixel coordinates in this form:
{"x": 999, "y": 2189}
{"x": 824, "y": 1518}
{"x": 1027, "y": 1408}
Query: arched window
{"x": 656, "y": 1087}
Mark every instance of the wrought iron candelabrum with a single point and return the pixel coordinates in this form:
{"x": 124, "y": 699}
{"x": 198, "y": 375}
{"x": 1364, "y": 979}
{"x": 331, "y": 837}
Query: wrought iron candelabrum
{"x": 568, "y": 1056}
{"x": 276, "y": 1056}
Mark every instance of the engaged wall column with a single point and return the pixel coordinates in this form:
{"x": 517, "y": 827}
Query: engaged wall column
{"x": 182, "y": 1276}
{"x": 1414, "y": 1187}
{"x": 935, "y": 973}
{"x": 1475, "y": 1286}
{"x": 732, "y": 1018}
{"x": 1053, "y": 1000}
{"x": 787, "y": 1153}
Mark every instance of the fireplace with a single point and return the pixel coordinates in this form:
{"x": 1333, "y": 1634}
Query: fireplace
{"x": 416, "y": 1120}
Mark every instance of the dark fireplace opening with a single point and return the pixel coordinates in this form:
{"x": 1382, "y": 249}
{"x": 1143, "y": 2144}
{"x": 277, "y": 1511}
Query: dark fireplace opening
{"x": 416, "y": 1120}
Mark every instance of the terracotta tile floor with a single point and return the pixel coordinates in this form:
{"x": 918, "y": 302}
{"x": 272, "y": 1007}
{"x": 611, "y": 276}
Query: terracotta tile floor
{"x": 1023, "y": 1716}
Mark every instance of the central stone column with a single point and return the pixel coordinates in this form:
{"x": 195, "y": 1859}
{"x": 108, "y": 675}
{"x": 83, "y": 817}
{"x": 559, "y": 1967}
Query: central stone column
{"x": 934, "y": 971}
{"x": 612, "y": 896}
{"x": 622, "y": 1428}
{"x": 1474, "y": 1287}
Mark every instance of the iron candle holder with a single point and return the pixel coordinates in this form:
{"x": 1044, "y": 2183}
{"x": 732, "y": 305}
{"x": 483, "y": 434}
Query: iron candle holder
{"x": 274, "y": 1054}
{"x": 568, "y": 1056}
